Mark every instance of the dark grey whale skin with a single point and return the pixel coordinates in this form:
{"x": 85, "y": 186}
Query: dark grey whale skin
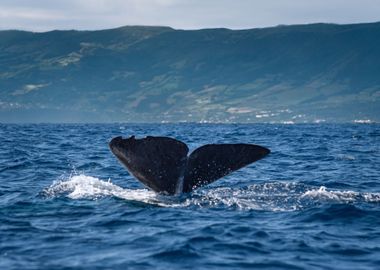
{"x": 163, "y": 164}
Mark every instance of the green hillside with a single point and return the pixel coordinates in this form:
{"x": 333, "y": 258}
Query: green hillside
{"x": 300, "y": 73}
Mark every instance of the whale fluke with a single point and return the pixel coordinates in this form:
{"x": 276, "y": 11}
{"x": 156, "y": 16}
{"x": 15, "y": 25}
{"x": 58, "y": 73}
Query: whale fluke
{"x": 163, "y": 164}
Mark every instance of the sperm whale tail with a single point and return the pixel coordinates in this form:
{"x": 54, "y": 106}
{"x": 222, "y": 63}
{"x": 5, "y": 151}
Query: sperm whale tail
{"x": 163, "y": 163}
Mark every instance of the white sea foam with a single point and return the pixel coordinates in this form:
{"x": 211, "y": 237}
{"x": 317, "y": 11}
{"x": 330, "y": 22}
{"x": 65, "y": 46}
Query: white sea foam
{"x": 275, "y": 196}
{"x": 88, "y": 187}
{"x": 322, "y": 193}
{"x": 363, "y": 121}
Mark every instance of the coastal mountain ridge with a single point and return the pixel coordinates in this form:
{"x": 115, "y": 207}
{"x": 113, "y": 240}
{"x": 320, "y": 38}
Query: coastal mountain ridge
{"x": 284, "y": 74}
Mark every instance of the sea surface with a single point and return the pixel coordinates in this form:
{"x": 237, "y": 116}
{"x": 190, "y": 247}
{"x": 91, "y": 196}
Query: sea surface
{"x": 313, "y": 203}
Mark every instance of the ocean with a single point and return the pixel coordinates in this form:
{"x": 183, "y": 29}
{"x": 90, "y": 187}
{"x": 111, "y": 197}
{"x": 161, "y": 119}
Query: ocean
{"x": 313, "y": 203}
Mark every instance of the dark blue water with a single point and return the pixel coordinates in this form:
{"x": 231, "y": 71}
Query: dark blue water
{"x": 313, "y": 203}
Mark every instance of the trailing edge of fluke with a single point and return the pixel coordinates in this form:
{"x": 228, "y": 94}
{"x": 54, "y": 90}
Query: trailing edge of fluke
{"x": 163, "y": 163}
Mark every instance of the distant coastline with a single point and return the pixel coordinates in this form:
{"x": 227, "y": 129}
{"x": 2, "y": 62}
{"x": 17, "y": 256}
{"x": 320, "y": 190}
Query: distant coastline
{"x": 310, "y": 73}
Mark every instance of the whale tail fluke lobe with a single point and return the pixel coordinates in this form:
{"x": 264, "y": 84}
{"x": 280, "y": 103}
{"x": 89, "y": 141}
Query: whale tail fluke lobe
{"x": 162, "y": 163}
{"x": 213, "y": 161}
{"x": 157, "y": 162}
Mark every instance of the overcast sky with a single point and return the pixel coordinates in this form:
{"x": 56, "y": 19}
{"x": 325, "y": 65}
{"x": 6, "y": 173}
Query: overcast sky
{"x": 43, "y": 15}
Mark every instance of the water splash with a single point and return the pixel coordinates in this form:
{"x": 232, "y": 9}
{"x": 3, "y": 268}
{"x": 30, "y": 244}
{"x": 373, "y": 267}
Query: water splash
{"x": 273, "y": 196}
{"x": 88, "y": 187}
